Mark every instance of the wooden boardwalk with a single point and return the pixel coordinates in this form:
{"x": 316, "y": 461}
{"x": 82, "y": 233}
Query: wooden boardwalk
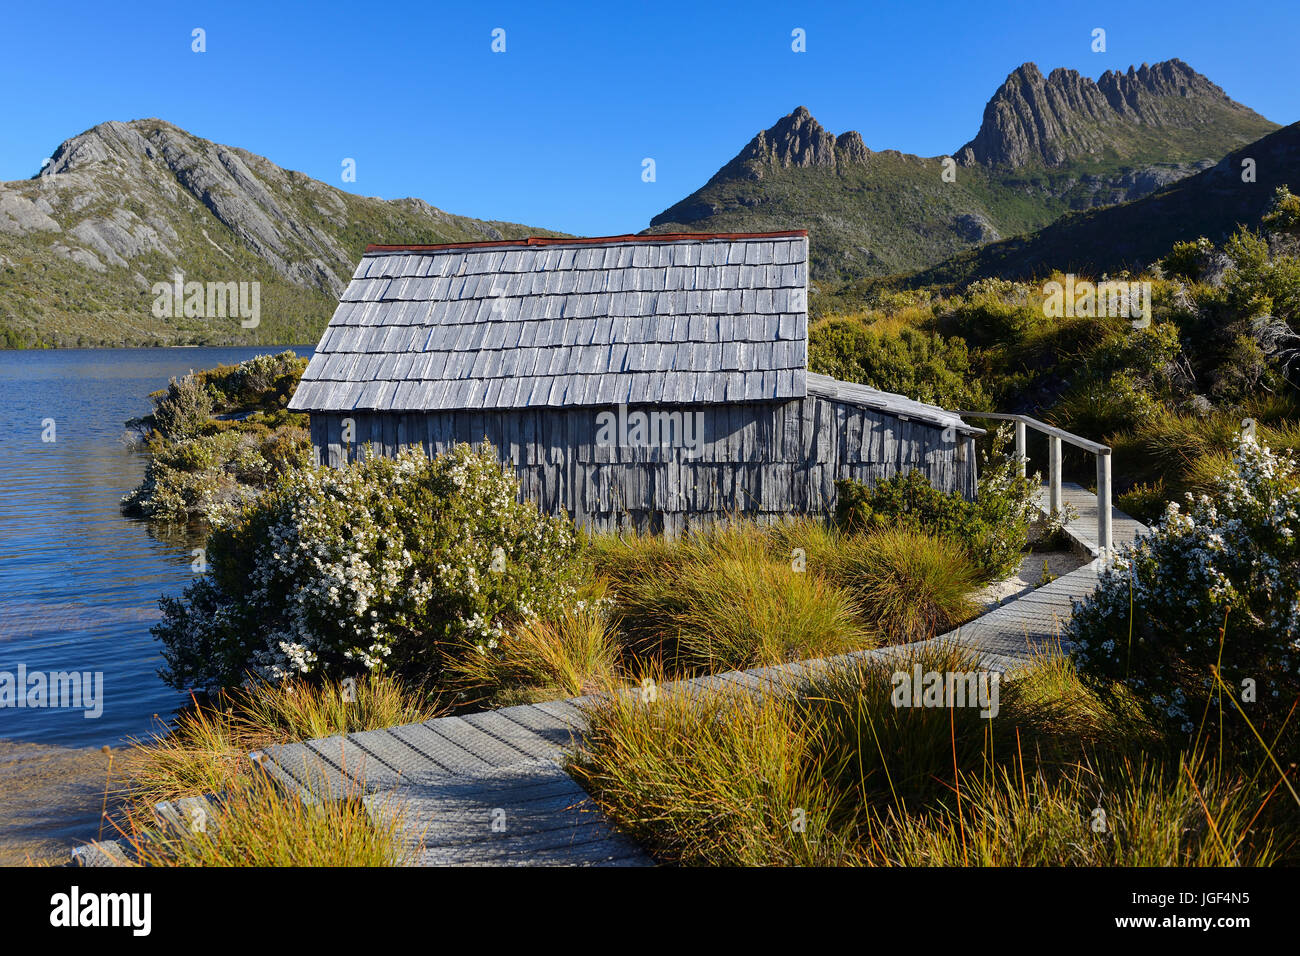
{"x": 1083, "y": 528}
{"x": 489, "y": 789}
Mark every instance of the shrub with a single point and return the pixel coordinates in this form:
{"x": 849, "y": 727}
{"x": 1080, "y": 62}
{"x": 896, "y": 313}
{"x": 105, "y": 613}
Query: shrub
{"x": 983, "y": 320}
{"x": 1284, "y": 212}
{"x": 912, "y": 362}
{"x": 387, "y": 563}
{"x": 1103, "y": 407}
{"x": 1187, "y": 260}
{"x": 994, "y": 528}
{"x": 184, "y": 410}
{"x": 1215, "y": 585}
{"x": 199, "y": 462}
{"x": 262, "y": 381}
{"x": 1144, "y": 501}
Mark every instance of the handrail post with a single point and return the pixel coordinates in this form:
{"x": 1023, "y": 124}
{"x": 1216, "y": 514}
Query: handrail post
{"x": 1054, "y": 475}
{"x": 1103, "y": 506}
{"x": 1022, "y": 455}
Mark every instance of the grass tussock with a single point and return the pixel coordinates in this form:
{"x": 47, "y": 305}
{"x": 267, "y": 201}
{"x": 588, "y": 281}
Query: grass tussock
{"x": 740, "y": 614}
{"x": 206, "y": 748}
{"x": 832, "y": 772}
{"x": 259, "y": 825}
{"x": 721, "y": 779}
{"x": 727, "y": 596}
{"x": 1126, "y": 813}
{"x": 206, "y": 753}
{"x": 911, "y": 585}
{"x": 741, "y": 594}
{"x": 571, "y": 654}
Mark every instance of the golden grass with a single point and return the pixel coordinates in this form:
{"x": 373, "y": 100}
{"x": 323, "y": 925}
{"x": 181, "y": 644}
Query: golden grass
{"x": 911, "y": 586}
{"x": 206, "y": 749}
{"x": 1056, "y": 778}
{"x": 256, "y": 824}
{"x": 571, "y": 654}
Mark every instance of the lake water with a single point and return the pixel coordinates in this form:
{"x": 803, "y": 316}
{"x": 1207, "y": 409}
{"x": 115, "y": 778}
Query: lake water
{"x": 79, "y": 583}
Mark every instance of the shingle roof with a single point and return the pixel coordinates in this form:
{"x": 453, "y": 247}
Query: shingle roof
{"x": 897, "y": 405}
{"x": 625, "y": 319}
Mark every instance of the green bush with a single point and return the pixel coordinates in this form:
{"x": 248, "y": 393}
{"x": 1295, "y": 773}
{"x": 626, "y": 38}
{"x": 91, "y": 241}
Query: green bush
{"x": 984, "y": 320}
{"x": 1105, "y": 407}
{"x": 993, "y": 529}
{"x": 1214, "y": 586}
{"x": 921, "y": 365}
{"x": 394, "y": 564}
{"x": 1284, "y": 212}
{"x": 1187, "y": 260}
{"x": 184, "y": 410}
{"x": 1146, "y": 502}
{"x": 199, "y": 462}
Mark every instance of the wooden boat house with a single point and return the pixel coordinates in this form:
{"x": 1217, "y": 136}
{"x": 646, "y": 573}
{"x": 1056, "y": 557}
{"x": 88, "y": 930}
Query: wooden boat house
{"x": 634, "y": 381}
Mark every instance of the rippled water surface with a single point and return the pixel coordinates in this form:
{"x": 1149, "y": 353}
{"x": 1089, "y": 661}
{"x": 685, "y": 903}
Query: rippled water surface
{"x": 79, "y": 583}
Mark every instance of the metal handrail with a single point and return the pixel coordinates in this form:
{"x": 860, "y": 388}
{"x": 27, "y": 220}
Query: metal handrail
{"x": 1055, "y": 436}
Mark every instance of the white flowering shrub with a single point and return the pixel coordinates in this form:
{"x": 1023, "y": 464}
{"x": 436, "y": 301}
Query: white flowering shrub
{"x": 1229, "y": 562}
{"x": 387, "y": 564}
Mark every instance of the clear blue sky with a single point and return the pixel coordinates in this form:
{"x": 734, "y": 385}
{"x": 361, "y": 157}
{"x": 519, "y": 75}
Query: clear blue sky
{"x": 553, "y": 131}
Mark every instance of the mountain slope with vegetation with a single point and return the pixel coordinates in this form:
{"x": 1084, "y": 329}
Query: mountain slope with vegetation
{"x": 123, "y": 206}
{"x": 1135, "y": 234}
{"x": 1220, "y": 348}
{"x": 1046, "y": 146}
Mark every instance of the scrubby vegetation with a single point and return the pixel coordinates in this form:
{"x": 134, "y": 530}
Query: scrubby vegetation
{"x": 1170, "y": 396}
{"x": 1205, "y": 611}
{"x": 834, "y": 772}
{"x": 1141, "y": 749}
{"x": 400, "y": 564}
{"x": 993, "y": 529}
{"x": 205, "y": 752}
{"x": 433, "y": 570}
{"x": 1166, "y": 739}
{"x": 219, "y": 437}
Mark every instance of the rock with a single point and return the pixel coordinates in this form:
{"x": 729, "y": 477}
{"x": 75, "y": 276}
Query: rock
{"x": 19, "y": 215}
{"x": 1052, "y": 120}
{"x": 975, "y": 228}
{"x": 796, "y": 140}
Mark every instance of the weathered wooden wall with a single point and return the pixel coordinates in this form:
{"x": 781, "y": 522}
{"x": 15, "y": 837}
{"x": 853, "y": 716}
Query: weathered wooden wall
{"x": 760, "y": 459}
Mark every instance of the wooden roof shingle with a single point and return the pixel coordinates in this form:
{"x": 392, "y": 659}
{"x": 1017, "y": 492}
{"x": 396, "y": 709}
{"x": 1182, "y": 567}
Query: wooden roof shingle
{"x": 580, "y": 322}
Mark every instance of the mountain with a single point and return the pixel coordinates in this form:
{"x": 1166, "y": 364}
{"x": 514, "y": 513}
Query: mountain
{"x": 123, "y": 206}
{"x": 1132, "y": 235}
{"x": 1167, "y": 110}
{"x": 1046, "y": 146}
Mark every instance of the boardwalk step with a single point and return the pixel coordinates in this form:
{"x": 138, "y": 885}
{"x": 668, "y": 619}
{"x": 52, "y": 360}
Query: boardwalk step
{"x": 102, "y": 853}
{"x": 524, "y": 815}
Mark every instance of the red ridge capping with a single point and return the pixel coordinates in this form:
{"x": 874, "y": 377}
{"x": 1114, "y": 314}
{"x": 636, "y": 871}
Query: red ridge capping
{"x": 585, "y": 241}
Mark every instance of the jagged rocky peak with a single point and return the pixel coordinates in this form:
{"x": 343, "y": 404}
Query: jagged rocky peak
{"x": 796, "y": 140}
{"x": 1053, "y": 119}
{"x": 1169, "y": 78}
{"x": 123, "y": 142}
